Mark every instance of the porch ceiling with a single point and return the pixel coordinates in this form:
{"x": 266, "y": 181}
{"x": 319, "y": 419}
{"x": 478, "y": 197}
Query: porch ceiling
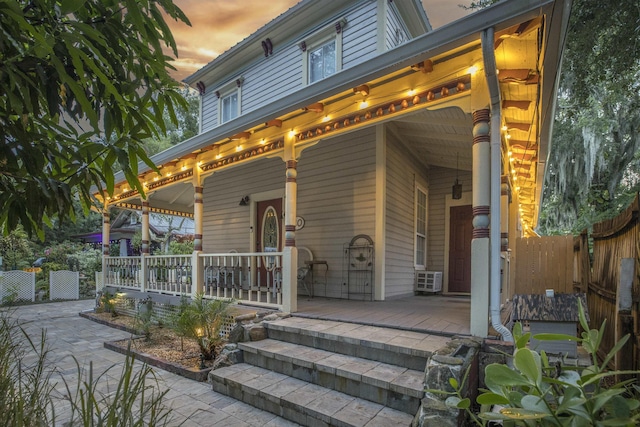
{"x": 440, "y": 138}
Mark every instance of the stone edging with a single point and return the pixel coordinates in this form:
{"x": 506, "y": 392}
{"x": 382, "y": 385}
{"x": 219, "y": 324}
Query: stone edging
{"x": 192, "y": 374}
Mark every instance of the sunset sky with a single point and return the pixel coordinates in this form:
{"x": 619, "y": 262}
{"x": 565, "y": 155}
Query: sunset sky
{"x": 217, "y": 25}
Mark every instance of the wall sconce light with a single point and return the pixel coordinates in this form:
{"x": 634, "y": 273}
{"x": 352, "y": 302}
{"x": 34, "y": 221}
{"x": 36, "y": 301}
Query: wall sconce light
{"x": 456, "y": 189}
{"x": 244, "y": 201}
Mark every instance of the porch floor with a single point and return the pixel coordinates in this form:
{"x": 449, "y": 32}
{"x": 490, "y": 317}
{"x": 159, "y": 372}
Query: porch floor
{"x": 434, "y": 314}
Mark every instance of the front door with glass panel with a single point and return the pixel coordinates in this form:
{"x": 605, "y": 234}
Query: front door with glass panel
{"x": 269, "y": 239}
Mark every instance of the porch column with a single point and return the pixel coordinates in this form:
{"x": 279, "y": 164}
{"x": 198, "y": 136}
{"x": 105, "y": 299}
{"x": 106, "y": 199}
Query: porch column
{"x": 504, "y": 235}
{"x": 290, "y": 253}
{"x": 146, "y": 245}
{"x": 106, "y": 229}
{"x": 198, "y": 210}
{"x": 480, "y": 241}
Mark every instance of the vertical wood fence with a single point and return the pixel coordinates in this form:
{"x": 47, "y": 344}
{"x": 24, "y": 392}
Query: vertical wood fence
{"x": 544, "y": 263}
{"x": 565, "y": 264}
{"x": 616, "y": 240}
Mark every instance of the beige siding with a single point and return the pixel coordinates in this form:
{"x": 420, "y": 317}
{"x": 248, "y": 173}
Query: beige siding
{"x": 336, "y": 197}
{"x": 403, "y": 172}
{"x": 440, "y": 182}
{"x": 225, "y": 223}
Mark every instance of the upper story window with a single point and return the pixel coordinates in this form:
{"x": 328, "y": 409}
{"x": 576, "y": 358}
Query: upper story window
{"x": 229, "y": 98}
{"x": 229, "y": 107}
{"x": 322, "y": 61}
{"x": 322, "y": 53}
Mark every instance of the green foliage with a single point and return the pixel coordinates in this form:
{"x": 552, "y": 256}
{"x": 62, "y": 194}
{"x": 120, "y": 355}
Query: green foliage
{"x": 83, "y": 84}
{"x": 184, "y": 247}
{"x": 25, "y": 388}
{"x": 144, "y": 318}
{"x": 28, "y": 399}
{"x": 201, "y": 320}
{"x": 592, "y": 172}
{"x": 536, "y": 392}
{"x": 15, "y": 250}
{"x": 107, "y": 303}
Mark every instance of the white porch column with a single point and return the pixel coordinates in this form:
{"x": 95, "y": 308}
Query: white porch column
{"x": 198, "y": 211}
{"x": 146, "y": 246}
{"x": 481, "y": 205}
{"x": 106, "y": 229}
{"x": 290, "y": 255}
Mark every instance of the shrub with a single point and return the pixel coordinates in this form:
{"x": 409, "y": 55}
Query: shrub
{"x": 536, "y": 392}
{"x": 201, "y": 320}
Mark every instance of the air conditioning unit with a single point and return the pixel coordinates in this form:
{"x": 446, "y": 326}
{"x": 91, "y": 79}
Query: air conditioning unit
{"x": 428, "y": 281}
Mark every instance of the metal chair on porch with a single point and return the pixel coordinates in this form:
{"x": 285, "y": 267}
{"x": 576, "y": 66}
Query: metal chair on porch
{"x": 305, "y": 256}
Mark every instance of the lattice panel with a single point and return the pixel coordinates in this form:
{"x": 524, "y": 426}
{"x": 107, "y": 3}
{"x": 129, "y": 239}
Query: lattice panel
{"x": 64, "y": 285}
{"x": 163, "y": 312}
{"x": 17, "y": 285}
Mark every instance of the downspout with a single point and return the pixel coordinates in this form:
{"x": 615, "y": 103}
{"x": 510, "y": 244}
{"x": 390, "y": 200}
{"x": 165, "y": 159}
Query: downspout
{"x": 488, "y": 56}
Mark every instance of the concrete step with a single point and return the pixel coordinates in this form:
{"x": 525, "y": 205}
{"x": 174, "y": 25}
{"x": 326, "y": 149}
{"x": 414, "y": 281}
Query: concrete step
{"x": 407, "y": 349}
{"x": 300, "y": 401}
{"x": 386, "y": 384}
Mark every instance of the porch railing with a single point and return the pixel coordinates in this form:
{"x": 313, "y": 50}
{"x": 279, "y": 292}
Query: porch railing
{"x": 169, "y": 274}
{"x": 248, "y": 277}
{"x": 123, "y": 272}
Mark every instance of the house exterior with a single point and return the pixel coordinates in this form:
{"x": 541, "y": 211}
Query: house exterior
{"x": 353, "y": 130}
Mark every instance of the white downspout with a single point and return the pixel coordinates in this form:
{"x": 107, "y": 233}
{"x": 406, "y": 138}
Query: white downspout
{"x": 495, "y": 143}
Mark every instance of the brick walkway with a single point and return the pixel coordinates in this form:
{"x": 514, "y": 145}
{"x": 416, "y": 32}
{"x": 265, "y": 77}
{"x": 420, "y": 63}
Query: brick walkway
{"x": 193, "y": 403}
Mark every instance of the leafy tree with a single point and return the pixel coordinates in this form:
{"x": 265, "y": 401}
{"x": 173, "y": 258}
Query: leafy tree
{"x": 595, "y": 154}
{"x": 83, "y": 83}
{"x": 15, "y": 249}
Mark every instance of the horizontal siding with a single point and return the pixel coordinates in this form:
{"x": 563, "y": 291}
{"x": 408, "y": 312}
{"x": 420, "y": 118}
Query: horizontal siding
{"x": 393, "y": 28}
{"x": 225, "y": 223}
{"x": 209, "y": 110}
{"x": 275, "y": 78}
{"x": 336, "y": 197}
{"x": 359, "y": 36}
{"x": 440, "y": 182}
{"x": 402, "y": 174}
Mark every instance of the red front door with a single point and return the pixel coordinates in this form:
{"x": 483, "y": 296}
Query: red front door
{"x": 268, "y": 237}
{"x": 460, "y": 234}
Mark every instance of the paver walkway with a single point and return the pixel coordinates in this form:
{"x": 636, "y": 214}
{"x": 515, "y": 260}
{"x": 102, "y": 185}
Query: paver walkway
{"x": 193, "y": 403}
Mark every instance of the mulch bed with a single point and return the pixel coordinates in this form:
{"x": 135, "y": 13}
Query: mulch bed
{"x": 164, "y": 349}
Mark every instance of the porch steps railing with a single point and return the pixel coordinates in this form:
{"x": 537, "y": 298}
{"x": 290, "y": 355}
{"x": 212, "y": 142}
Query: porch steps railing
{"x": 316, "y": 372}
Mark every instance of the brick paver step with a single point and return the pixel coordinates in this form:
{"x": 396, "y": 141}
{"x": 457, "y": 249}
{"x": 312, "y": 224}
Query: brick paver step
{"x": 393, "y": 346}
{"x": 300, "y": 401}
{"x": 390, "y": 385}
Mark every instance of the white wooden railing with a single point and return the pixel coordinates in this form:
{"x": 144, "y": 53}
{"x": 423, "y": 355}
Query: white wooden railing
{"x": 248, "y": 277}
{"x": 169, "y": 274}
{"x": 123, "y": 272}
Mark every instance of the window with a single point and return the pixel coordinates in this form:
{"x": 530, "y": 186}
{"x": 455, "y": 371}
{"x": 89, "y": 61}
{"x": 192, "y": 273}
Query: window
{"x": 229, "y": 107}
{"x": 421, "y": 228}
{"x": 322, "y": 61}
{"x": 321, "y": 54}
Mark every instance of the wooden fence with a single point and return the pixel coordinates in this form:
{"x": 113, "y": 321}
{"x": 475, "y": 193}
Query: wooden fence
{"x": 543, "y": 263}
{"x": 566, "y": 264}
{"x": 613, "y": 296}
